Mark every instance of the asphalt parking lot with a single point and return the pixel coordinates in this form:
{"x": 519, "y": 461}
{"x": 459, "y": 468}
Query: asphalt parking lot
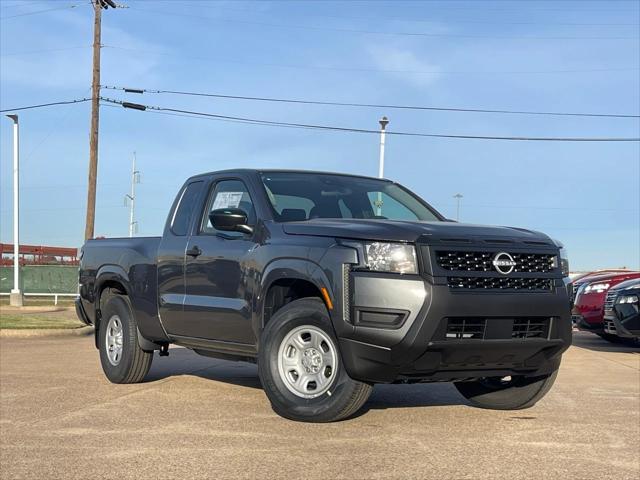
{"x": 197, "y": 417}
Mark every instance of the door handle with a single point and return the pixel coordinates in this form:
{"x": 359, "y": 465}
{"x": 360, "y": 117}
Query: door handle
{"x": 194, "y": 251}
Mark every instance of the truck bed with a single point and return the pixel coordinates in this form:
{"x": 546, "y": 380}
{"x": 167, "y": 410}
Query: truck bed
{"x": 134, "y": 259}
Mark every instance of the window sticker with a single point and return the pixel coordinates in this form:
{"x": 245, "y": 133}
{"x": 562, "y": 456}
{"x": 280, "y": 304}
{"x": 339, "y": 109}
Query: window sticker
{"x": 227, "y": 200}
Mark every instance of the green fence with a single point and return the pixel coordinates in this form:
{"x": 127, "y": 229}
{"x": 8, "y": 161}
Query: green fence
{"x": 41, "y": 279}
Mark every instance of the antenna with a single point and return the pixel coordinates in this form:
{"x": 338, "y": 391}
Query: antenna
{"x": 130, "y": 198}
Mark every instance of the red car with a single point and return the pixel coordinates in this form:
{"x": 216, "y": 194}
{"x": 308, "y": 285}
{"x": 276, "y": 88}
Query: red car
{"x": 590, "y": 295}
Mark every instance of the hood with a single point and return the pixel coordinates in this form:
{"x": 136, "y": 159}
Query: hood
{"x": 611, "y": 276}
{"x": 634, "y": 283}
{"x": 404, "y": 231}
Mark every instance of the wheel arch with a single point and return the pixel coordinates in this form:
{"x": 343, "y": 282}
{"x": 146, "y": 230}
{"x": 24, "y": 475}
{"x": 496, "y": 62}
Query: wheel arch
{"x": 113, "y": 278}
{"x": 287, "y": 280}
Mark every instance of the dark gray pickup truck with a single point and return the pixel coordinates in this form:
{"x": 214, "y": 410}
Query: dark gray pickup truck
{"x": 332, "y": 283}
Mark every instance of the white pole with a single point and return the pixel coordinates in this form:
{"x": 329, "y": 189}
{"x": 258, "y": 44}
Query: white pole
{"x": 16, "y": 295}
{"x": 383, "y": 125}
{"x": 132, "y": 198}
{"x": 458, "y": 196}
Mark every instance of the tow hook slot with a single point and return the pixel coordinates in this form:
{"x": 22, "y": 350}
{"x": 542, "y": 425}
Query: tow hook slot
{"x": 164, "y": 350}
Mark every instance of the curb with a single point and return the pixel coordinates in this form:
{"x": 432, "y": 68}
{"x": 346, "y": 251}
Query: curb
{"x": 42, "y": 332}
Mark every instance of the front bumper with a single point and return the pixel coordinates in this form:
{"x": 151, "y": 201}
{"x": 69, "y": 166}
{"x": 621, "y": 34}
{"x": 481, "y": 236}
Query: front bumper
{"x": 416, "y": 344}
{"x": 626, "y": 321}
{"x": 582, "y": 325}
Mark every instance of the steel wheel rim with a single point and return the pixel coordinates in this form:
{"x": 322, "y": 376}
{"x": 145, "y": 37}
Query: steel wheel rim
{"x": 113, "y": 340}
{"x": 307, "y": 361}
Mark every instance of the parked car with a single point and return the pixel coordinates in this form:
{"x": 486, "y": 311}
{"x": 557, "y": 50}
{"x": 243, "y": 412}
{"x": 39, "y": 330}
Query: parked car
{"x": 589, "y": 302}
{"x": 621, "y": 311}
{"x": 578, "y": 279}
{"x": 332, "y": 283}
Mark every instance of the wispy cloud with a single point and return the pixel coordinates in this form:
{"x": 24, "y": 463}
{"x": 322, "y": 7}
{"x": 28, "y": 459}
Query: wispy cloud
{"x": 404, "y": 64}
{"x": 71, "y": 69}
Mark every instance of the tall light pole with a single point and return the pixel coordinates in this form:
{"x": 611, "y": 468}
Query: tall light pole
{"x": 15, "y": 298}
{"x": 384, "y": 121}
{"x": 98, "y": 5}
{"x": 131, "y": 197}
{"x": 458, "y": 197}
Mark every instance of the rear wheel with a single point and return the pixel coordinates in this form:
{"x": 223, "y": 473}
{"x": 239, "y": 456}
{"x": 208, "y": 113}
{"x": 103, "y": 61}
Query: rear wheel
{"x": 300, "y": 366}
{"x": 506, "y": 393}
{"x": 122, "y": 359}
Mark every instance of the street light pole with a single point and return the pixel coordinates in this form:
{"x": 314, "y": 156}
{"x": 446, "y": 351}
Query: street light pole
{"x": 15, "y": 298}
{"x": 384, "y": 121}
{"x": 458, "y": 196}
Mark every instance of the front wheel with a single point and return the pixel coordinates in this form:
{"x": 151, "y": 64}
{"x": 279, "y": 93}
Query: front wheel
{"x": 301, "y": 369}
{"x": 506, "y": 393}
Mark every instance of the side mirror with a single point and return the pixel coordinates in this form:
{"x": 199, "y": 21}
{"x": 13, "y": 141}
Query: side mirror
{"x": 230, "y": 220}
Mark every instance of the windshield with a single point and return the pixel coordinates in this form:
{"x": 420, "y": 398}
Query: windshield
{"x": 303, "y": 196}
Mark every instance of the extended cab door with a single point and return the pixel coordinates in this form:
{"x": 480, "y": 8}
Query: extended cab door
{"x": 171, "y": 255}
{"x": 220, "y": 276}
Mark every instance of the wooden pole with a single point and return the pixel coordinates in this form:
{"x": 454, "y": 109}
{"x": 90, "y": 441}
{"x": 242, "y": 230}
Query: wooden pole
{"x": 95, "y": 113}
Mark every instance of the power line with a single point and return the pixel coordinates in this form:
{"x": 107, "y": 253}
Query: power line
{"x": 375, "y": 70}
{"x": 141, "y": 107}
{"x": 370, "y": 32}
{"x": 48, "y": 50}
{"x": 368, "y": 105}
{"x": 29, "y": 107}
{"x": 202, "y": 4}
{"x": 41, "y": 11}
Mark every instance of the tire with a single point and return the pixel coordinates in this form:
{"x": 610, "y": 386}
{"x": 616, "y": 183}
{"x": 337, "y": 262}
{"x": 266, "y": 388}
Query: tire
{"x": 132, "y": 363}
{"x": 300, "y": 338}
{"x": 518, "y": 393}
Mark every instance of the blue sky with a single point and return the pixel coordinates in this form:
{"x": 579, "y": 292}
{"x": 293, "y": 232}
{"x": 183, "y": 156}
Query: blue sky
{"x": 528, "y": 55}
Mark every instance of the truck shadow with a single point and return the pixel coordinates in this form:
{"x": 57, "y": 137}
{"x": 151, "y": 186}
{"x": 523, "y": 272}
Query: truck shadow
{"x": 591, "y": 341}
{"x": 185, "y": 362}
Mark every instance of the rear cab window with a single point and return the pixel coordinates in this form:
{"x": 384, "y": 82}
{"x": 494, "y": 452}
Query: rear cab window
{"x": 187, "y": 205}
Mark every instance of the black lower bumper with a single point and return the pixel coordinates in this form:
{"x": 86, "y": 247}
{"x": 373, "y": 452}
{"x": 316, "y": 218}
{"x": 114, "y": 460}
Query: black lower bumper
{"x": 626, "y": 320}
{"x": 585, "y": 326}
{"x": 427, "y": 350}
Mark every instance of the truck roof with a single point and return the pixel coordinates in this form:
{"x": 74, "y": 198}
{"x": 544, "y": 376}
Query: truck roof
{"x": 278, "y": 170}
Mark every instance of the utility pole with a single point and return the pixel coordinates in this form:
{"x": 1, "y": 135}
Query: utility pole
{"x": 98, "y": 5}
{"x": 131, "y": 197}
{"x": 15, "y": 297}
{"x": 383, "y": 126}
{"x": 458, "y": 197}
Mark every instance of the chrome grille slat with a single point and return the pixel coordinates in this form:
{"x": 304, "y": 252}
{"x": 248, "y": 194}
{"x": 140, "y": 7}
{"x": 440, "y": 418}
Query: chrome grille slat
{"x": 609, "y": 300}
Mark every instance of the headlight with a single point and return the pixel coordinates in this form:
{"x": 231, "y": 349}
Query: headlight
{"x": 627, "y": 299}
{"x": 391, "y": 257}
{"x": 564, "y": 262}
{"x": 596, "y": 287}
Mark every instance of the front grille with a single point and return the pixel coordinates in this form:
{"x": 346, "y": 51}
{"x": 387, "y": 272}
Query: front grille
{"x": 479, "y": 328}
{"x": 483, "y": 261}
{"x": 608, "y": 303}
{"x": 500, "y": 283}
{"x": 609, "y": 326}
